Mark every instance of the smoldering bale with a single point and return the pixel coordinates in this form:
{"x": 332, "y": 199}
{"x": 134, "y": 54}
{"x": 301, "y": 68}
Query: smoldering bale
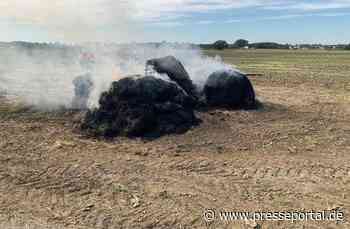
{"x": 176, "y": 72}
{"x": 141, "y": 107}
{"x": 229, "y": 88}
{"x": 83, "y": 86}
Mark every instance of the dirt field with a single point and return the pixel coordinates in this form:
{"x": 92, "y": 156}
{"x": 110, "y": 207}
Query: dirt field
{"x": 293, "y": 155}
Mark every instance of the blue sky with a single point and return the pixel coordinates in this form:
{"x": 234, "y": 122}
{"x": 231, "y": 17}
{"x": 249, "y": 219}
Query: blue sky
{"x": 292, "y": 21}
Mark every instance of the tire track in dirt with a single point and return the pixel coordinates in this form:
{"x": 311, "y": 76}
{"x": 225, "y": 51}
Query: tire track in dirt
{"x": 259, "y": 170}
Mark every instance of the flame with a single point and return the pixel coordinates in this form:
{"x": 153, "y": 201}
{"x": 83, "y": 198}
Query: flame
{"x": 116, "y": 74}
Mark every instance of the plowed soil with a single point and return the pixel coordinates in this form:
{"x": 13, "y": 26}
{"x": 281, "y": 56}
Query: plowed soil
{"x": 293, "y": 154}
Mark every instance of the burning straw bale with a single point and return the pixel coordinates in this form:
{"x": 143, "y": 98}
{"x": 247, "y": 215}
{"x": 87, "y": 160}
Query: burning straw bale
{"x": 141, "y": 107}
{"x": 146, "y": 106}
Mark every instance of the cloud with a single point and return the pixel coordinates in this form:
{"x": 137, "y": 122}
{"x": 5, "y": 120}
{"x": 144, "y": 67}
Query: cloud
{"x": 167, "y": 9}
{"x": 174, "y": 12}
{"x": 76, "y": 20}
{"x": 118, "y": 20}
{"x": 102, "y": 12}
{"x": 166, "y": 24}
{"x": 312, "y": 6}
{"x": 160, "y": 9}
{"x": 205, "y": 22}
{"x": 289, "y": 16}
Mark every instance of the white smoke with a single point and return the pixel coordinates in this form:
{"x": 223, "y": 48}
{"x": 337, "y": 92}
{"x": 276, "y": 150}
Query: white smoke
{"x": 72, "y": 20}
{"x": 131, "y": 60}
{"x": 39, "y": 78}
{"x": 43, "y": 77}
{"x": 196, "y": 63}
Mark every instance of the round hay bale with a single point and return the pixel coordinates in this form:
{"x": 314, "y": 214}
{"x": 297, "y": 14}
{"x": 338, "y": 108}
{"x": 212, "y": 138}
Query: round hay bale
{"x": 229, "y": 88}
{"x": 141, "y": 107}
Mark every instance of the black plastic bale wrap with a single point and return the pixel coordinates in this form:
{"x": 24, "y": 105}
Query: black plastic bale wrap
{"x": 141, "y": 107}
{"x": 231, "y": 89}
{"x": 176, "y": 72}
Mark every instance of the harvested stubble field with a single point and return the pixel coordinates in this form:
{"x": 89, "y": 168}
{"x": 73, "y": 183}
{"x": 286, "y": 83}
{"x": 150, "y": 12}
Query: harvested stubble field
{"x": 291, "y": 155}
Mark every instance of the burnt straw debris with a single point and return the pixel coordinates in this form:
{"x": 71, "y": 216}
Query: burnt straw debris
{"x": 230, "y": 89}
{"x": 147, "y": 106}
{"x": 141, "y": 107}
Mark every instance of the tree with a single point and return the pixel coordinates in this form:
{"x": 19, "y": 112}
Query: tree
{"x": 241, "y": 43}
{"x": 220, "y": 44}
{"x": 347, "y": 47}
{"x": 268, "y": 45}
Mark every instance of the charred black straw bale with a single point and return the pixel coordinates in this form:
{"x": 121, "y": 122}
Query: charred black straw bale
{"x": 145, "y": 106}
{"x": 231, "y": 89}
{"x": 141, "y": 107}
{"x": 176, "y": 72}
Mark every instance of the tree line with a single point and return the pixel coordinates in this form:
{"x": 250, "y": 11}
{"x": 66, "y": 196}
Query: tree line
{"x": 220, "y": 45}
{"x": 242, "y": 43}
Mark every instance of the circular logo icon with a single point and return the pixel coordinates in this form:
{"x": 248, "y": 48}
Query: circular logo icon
{"x": 209, "y": 215}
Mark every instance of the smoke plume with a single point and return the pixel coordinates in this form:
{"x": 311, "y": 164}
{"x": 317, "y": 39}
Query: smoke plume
{"x": 42, "y": 75}
{"x": 72, "y": 20}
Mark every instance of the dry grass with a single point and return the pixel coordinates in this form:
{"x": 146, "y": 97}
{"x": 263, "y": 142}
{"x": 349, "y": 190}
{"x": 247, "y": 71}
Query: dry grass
{"x": 291, "y": 155}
